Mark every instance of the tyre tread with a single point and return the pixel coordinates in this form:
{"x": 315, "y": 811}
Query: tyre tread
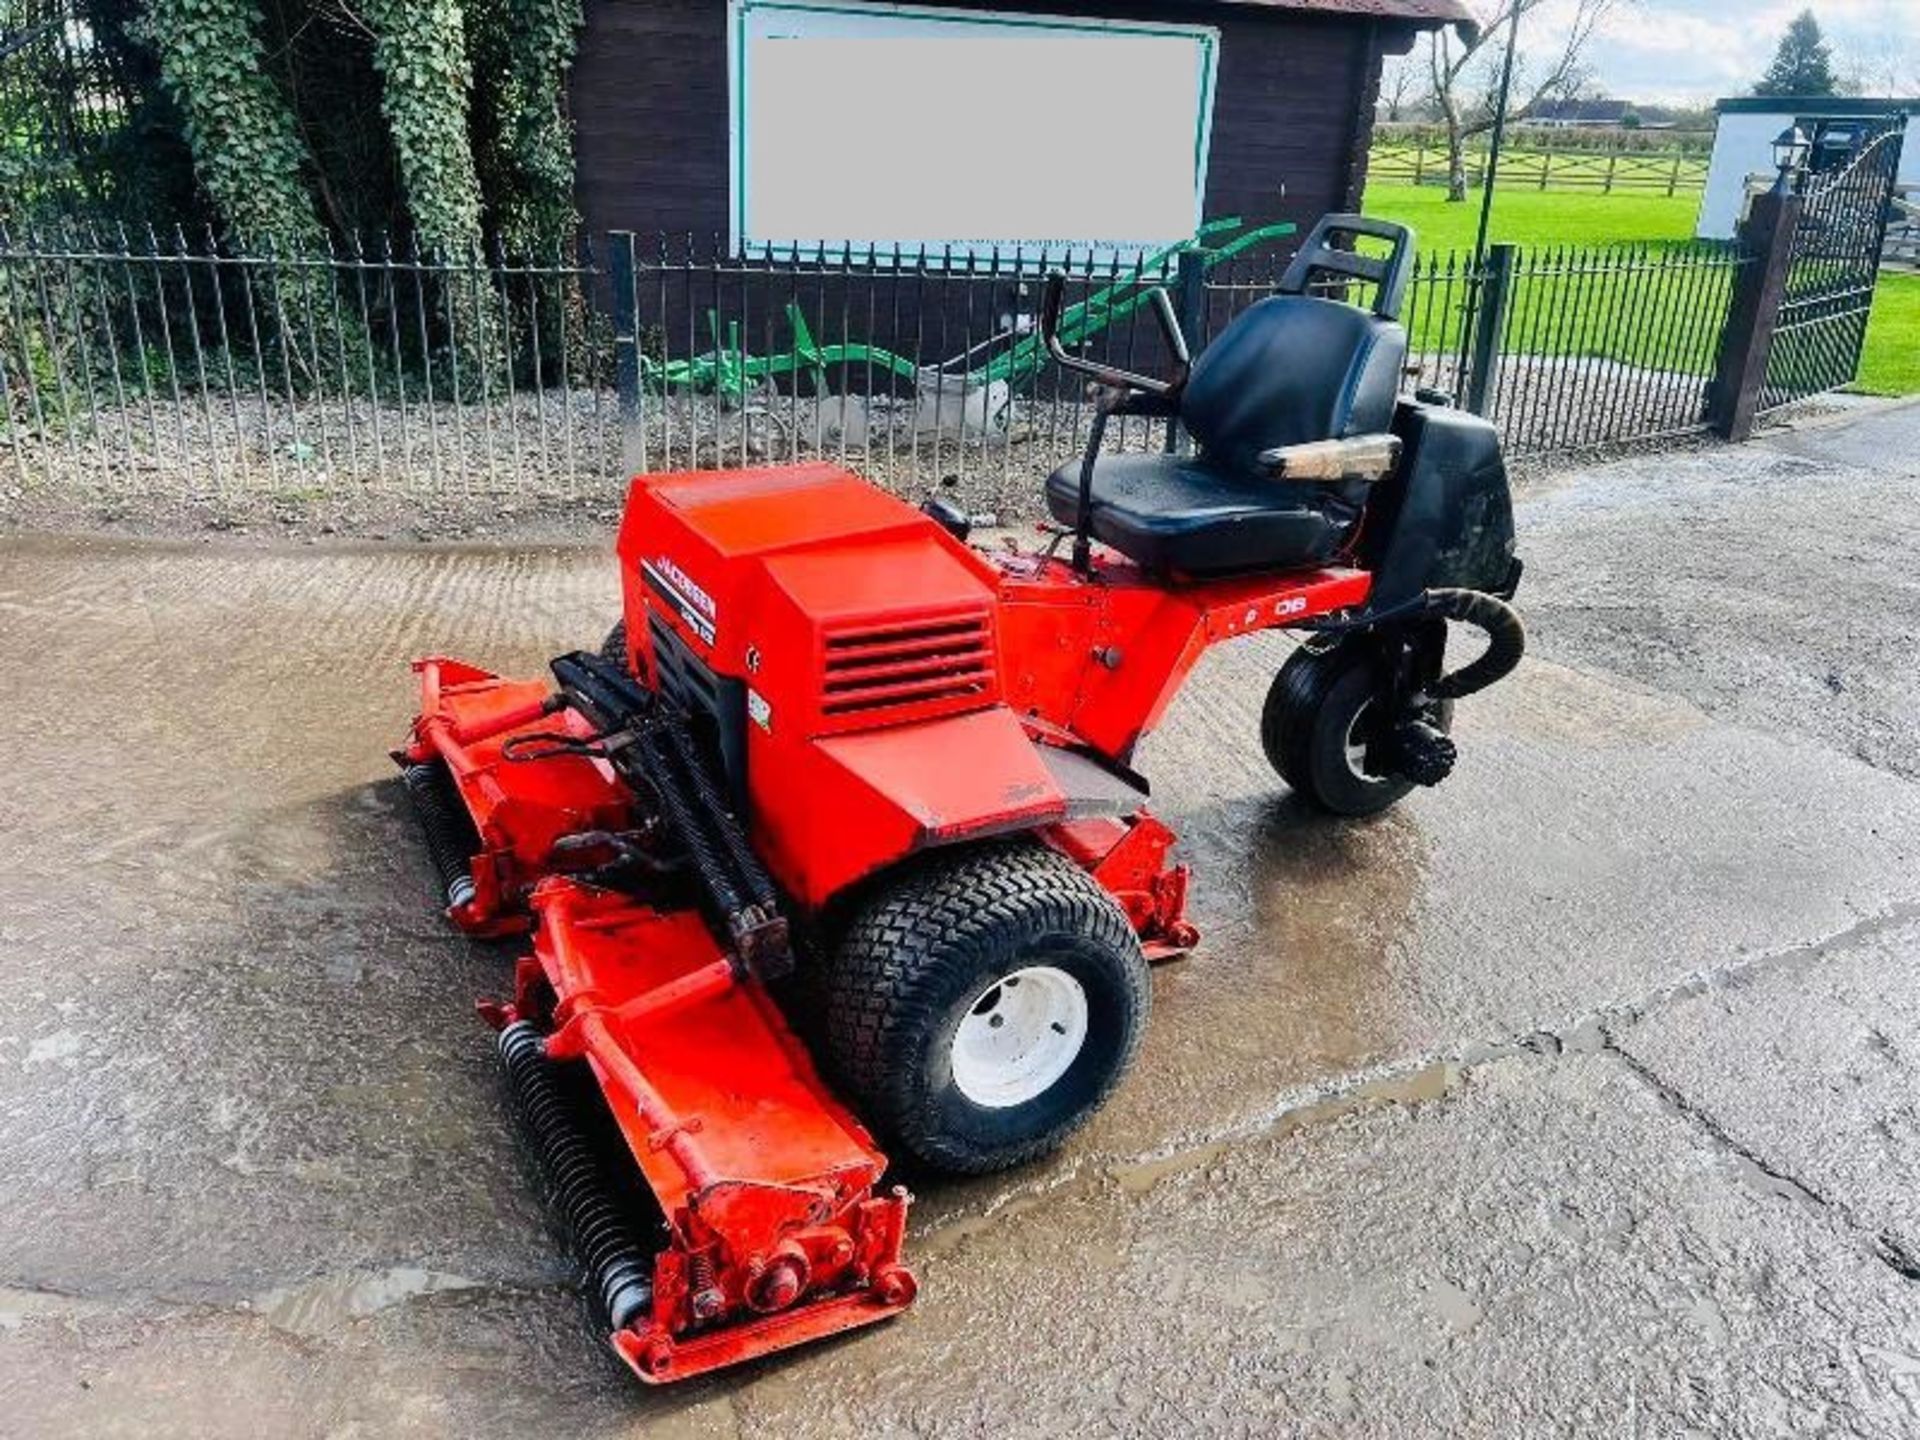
{"x": 1292, "y": 706}
{"x": 943, "y": 915}
{"x": 614, "y": 647}
{"x": 1291, "y": 728}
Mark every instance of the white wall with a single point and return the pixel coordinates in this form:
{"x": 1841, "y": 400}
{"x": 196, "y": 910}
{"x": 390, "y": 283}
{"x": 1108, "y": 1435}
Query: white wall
{"x": 1743, "y": 146}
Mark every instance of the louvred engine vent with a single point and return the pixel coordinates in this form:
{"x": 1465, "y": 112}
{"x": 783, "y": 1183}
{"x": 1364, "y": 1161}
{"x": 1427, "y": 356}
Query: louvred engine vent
{"x": 907, "y": 663}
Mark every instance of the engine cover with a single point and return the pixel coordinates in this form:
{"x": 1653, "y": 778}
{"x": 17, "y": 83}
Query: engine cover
{"x": 852, "y": 643}
{"x": 809, "y": 585}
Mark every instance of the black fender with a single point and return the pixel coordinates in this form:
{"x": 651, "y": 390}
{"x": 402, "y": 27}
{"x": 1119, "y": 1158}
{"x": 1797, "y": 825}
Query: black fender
{"x": 1444, "y": 518}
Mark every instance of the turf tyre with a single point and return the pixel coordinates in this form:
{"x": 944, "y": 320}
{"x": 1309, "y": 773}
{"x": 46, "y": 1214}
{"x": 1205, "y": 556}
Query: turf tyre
{"x": 914, "y": 961}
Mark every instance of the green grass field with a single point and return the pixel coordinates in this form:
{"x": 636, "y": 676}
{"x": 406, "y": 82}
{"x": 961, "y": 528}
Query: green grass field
{"x": 1890, "y": 364}
{"x": 1560, "y": 306}
{"x": 1527, "y": 217}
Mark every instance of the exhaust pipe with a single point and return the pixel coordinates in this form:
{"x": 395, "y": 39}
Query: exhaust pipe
{"x": 618, "y": 1271}
{"x": 449, "y": 833}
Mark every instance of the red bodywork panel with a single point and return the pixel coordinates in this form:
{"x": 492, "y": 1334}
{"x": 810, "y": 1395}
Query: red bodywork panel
{"x": 767, "y": 1182}
{"x": 1102, "y": 658}
{"x": 869, "y": 640}
{"x": 519, "y": 810}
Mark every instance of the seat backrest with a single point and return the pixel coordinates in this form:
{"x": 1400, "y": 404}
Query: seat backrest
{"x": 1290, "y": 369}
{"x": 1331, "y": 252}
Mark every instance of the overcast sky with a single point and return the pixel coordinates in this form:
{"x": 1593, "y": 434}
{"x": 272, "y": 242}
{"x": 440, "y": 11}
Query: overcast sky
{"x": 1666, "y": 51}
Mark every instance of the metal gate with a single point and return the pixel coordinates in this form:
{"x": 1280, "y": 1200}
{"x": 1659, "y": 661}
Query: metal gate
{"x": 1832, "y": 270}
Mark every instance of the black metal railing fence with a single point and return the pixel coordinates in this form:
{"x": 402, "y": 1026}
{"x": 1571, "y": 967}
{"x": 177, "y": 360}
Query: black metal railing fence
{"x": 918, "y": 366}
{"x": 171, "y": 363}
{"x": 69, "y": 114}
{"x": 1437, "y": 311}
{"x": 1578, "y": 347}
{"x": 170, "y": 366}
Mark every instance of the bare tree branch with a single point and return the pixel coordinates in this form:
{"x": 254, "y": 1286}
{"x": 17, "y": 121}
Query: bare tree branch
{"x": 1399, "y": 82}
{"x": 1462, "y": 73}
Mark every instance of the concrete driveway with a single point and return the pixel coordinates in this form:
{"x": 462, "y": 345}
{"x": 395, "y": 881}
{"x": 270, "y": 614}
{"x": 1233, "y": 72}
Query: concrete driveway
{"x": 1576, "y": 1096}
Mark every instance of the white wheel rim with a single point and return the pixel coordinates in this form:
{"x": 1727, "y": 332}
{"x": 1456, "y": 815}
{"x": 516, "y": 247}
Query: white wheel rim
{"x": 1019, "y": 1036}
{"x": 1356, "y": 748}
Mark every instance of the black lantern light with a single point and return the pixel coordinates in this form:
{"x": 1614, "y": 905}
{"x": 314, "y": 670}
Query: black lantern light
{"x": 1790, "y": 150}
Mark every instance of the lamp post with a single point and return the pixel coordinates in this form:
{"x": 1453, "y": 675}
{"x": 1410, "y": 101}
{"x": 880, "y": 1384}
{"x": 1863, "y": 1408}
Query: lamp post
{"x": 1790, "y": 150}
{"x": 1499, "y": 137}
{"x": 1766, "y": 244}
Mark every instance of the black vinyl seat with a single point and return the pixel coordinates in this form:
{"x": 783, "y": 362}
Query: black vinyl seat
{"x": 1186, "y": 515}
{"x": 1292, "y": 369}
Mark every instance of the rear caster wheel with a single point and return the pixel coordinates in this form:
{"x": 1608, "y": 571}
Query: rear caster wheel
{"x": 982, "y": 1005}
{"x": 1320, "y": 719}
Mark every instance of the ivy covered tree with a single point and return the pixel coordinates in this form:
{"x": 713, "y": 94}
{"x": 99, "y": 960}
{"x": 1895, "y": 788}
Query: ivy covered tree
{"x": 310, "y": 120}
{"x": 298, "y": 129}
{"x": 420, "y": 49}
{"x": 250, "y": 160}
{"x": 1803, "y": 64}
{"x": 86, "y": 127}
{"x": 247, "y": 150}
{"x": 524, "y": 51}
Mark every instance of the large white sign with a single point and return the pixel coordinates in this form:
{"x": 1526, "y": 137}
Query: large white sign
{"x": 895, "y": 125}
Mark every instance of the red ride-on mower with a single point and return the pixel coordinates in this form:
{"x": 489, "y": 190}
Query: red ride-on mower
{"x": 829, "y": 737}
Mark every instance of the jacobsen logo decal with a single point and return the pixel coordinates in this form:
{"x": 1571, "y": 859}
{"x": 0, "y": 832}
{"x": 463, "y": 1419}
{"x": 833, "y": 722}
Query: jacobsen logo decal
{"x": 689, "y": 601}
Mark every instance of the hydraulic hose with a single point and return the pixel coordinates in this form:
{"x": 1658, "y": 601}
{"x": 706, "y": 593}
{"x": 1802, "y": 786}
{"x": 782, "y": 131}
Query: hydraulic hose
{"x": 747, "y": 868}
{"x": 1506, "y": 635}
{"x": 683, "y": 820}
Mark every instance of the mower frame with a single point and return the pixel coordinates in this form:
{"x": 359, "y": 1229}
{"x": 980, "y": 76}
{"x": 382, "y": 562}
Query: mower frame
{"x": 826, "y": 713}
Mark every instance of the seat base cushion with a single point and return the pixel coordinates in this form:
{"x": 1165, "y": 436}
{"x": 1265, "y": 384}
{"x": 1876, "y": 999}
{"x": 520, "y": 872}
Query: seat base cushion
{"x": 1180, "y": 514}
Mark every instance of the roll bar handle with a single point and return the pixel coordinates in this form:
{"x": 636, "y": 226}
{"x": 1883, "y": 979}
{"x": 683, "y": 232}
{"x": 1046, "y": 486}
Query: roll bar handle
{"x": 1050, "y": 309}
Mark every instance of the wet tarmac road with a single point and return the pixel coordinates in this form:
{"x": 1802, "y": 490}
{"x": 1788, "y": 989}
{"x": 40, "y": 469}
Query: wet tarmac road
{"x": 1576, "y": 1095}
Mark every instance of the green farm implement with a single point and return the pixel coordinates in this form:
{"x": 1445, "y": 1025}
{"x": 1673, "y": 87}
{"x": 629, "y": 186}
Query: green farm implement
{"x": 991, "y": 370}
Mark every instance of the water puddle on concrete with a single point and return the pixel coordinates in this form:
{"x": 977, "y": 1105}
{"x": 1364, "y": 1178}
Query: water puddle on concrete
{"x": 320, "y": 1307}
{"x": 952, "y": 1236}
{"x": 1143, "y": 1175}
{"x": 1567, "y": 706}
{"x": 1763, "y": 1181}
{"x": 1429, "y": 1082}
{"x": 1456, "y": 1306}
{"x": 18, "y": 1306}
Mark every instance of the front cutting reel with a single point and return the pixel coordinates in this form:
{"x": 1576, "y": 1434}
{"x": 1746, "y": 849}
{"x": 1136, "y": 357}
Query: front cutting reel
{"x": 589, "y": 813}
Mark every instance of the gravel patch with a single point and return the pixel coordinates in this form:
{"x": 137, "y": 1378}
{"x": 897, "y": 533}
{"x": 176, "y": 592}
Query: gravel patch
{"x": 552, "y": 465}
{"x": 525, "y": 466}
